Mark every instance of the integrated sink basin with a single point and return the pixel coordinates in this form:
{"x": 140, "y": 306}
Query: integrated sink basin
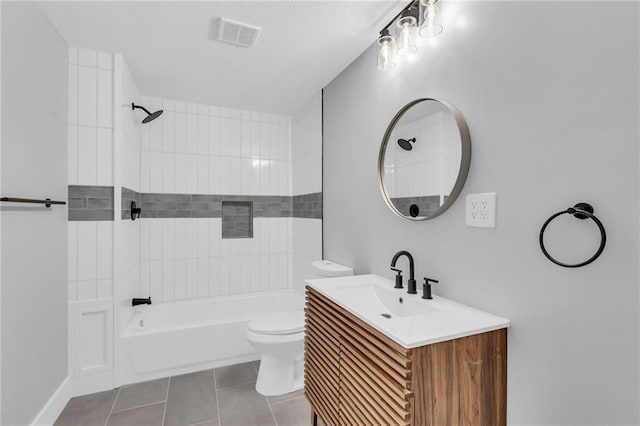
{"x": 405, "y": 318}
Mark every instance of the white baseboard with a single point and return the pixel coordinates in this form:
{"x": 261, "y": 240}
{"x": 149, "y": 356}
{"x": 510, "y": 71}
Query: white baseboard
{"x": 52, "y": 409}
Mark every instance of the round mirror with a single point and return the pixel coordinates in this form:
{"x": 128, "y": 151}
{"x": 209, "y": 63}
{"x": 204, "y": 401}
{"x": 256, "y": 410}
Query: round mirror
{"x": 424, "y": 159}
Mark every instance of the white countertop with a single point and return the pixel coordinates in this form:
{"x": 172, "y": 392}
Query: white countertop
{"x": 415, "y": 321}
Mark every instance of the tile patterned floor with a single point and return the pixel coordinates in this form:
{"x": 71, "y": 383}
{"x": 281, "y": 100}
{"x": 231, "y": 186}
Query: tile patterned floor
{"x": 221, "y": 397}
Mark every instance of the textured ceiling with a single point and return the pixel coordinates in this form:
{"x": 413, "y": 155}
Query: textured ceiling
{"x": 301, "y": 47}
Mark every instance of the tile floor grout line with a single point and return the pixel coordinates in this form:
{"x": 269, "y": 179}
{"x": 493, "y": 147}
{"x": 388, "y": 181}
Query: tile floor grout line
{"x": 286, "y": 400}
{"x": 271, "y": 410}
{"x": 215, "y": 386}
{"x": 112, "y": 406}
{"x": 138, "y": 406}
{"x": 166, "y": 402}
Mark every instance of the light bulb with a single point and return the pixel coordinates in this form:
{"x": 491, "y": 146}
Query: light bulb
{"x": 407, "y": 26}
{"x": 386, "y": 52}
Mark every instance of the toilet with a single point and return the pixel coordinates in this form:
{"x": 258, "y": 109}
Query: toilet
{"x": 279, "y": 338}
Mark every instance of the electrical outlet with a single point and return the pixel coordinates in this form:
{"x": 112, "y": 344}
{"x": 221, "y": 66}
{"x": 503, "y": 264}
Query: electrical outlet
{"x": 481, "y": 210}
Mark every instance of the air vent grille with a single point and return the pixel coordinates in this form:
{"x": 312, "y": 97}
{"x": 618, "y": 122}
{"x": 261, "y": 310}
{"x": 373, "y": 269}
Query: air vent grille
{"x": 237, "y": 33}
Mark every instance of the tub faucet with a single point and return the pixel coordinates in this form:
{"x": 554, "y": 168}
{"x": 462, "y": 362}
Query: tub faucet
{"x": 140, "y": 301}
{"x": 411, "y": 283}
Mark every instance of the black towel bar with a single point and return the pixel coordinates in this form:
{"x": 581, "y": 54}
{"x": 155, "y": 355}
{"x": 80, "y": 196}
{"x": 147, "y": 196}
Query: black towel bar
{"x": 47, "y": 202}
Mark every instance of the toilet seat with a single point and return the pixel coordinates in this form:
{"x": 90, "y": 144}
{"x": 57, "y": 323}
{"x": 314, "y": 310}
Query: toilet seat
{"x": 279, "y": 323}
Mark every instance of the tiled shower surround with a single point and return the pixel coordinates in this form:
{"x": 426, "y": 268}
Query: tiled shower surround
{"x": 180, "y": 169}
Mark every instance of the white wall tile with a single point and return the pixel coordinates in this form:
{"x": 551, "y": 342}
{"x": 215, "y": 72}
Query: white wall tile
{"x": 155, "y": 280}
{"x": 72, "y": 249}
{"x": 180, "y": 132}
{"x": 203, "y": 277}
{"x": 145, "y": 279}
{"x": 105, "y": 60}
{"x": 73, "y": 55}
{"x": 180, "y": 238}
{"x": 72, "y": 291}
{"x": 155, "y": 171}
{"x": 168, "y": 279}
{"x": 87, "y": 251}
{"x": 155, "y": 239}
{"x": 224, "y": 132}
{"x": 72, "y": 154}
{"x": 104, "y": 289}
{"x": 87, "y": 57}
{"x": 215, "y": 236}
{"x": 73, "y": 94}
{"x": 203, "y": 135}
{"x": 104, "y": 249}
{"x": 203, "y": 174}
{"x": 87, "y": 155}
{"x": 168, "y": 238}
{"x": 87, "y": 96}
{"x": 181, "y": 173}
{"x": 224, "y": 276}
{"x": 192, "y": 174}
{"x": 168, "y": 172}
{"x": 168, "y": 132}
{"x": 214, "y": 276}
{"x": 192, "y": 278}
{"x": 155, "y": 135}
{"x": 87, "y": 290}
{"x": 180, "y": 277}
{"x": 104, "y": 157}
{"x": 105, "y": 98}
{"x": 214, "y": 135}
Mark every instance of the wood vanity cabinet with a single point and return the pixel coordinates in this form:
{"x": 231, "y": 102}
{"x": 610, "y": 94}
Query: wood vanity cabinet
{"x": 356, "y": 376}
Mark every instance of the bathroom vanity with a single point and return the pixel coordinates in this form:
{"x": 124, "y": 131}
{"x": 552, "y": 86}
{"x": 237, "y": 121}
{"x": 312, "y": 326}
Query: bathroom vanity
{"x": 375, "y": 355}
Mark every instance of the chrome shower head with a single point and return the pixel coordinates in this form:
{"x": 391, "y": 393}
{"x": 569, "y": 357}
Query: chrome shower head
{"x": 150, "y": 115}
{"x": 406, "y": 143}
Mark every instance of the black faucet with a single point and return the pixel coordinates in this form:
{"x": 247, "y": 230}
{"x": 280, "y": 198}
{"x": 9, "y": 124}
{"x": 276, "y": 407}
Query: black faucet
{"x": 140, "y": 301}
{"x": 411, "y": 283}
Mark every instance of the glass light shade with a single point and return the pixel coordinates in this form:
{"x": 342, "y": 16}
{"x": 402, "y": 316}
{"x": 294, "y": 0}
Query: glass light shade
{"x": 386, "y": 53}
{"x": 431, "y": 20}
{"x": 406, "y": 34}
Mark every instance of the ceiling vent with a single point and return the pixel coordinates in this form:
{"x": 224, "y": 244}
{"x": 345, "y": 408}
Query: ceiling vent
{"x": 237, "y": 33}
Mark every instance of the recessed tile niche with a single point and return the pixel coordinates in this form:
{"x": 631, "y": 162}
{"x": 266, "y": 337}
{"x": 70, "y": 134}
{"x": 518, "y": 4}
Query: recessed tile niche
{"x": 237, "y": 219}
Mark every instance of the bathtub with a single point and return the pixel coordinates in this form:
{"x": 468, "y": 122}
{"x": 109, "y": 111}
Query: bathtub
{"x": 166, "y": 339}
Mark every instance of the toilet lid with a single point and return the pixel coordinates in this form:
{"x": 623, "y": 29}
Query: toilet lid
{"x": 284, "y": 322}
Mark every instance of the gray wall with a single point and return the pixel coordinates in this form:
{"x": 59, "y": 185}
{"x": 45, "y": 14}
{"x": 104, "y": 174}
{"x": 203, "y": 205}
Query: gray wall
{"x": 550, "y": 93}
{"x": 34, "y": 239}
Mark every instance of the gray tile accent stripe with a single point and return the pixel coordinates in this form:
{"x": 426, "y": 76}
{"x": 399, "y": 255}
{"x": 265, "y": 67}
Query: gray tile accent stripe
{"x": 90, "y": 202}
{"x": 428, "y": 204}
{"x": 210, "y": 205}
{"x": 308, "y": 205}
{"x": 96, "y": 203}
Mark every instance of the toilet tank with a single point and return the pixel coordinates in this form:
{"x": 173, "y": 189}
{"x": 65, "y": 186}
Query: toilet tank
{"x": 328, "y": 269}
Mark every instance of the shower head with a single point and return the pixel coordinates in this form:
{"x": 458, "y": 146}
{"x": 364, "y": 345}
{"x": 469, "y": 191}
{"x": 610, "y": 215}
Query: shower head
{"x": 150, "y": 115}
{"x": 406, "y": 143}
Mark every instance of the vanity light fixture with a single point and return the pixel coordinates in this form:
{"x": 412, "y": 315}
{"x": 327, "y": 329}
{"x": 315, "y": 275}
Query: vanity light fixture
{"x": 420, "y": 17}
{"x": 431, "y": 21}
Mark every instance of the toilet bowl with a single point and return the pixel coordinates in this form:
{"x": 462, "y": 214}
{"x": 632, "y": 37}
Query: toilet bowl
{"x": 279, "y": 338}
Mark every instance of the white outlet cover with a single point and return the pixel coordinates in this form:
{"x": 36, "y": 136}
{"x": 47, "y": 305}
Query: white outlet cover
{"x": 481, "y": 210}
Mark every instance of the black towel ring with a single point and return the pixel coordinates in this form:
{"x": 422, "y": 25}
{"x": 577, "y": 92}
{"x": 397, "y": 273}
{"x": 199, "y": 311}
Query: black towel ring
{"x": 581, "y": 211}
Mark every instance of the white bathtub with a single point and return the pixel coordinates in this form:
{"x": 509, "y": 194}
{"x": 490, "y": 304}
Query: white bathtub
{"x": 180, "y": 337}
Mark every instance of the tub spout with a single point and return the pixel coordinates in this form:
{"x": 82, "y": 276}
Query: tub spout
{"x": 140, "y": 301}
